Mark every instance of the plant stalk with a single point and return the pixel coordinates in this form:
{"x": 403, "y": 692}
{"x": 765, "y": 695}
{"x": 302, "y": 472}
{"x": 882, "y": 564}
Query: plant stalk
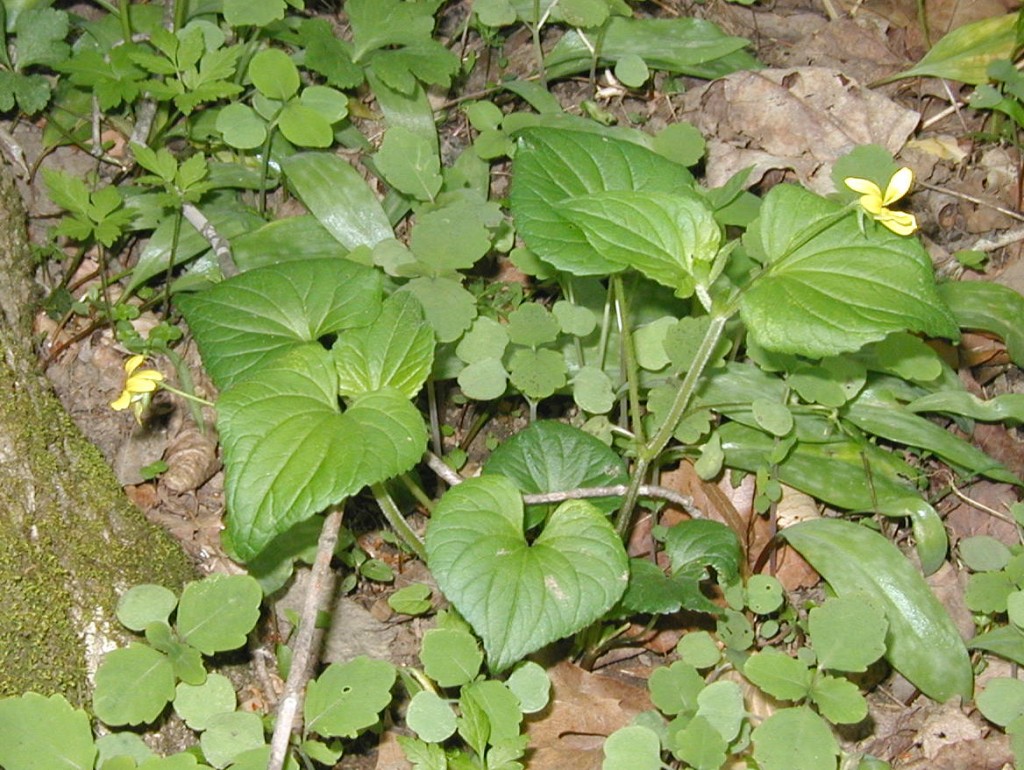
{"x": 629, "y": 357}
{"x": 397, "y": 521}
{"x": 649, "y": 451}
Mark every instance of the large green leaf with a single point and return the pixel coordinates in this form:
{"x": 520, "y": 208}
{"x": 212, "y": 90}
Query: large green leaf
{"x": 247, "y": 321}
{"x": 842, "y": 472}
{"x": 519, "y": 596}
{"x": 338, "y": 196}
{"x": 289, "y": 452}
{"x": 38, "y": 733}
{"x": 285, "y": 240}
{"x": 659, "y": 235}
{"x": 922, "y": 643}
{"x": 834, "y": 291}
{"x": 553, "y": 166}
{"x": 685, "y": 45}
{"x": 166, "y": 248}
{"x": 990, "y": 307}
{"x": 1008, "y": 406}
{"x": 395, "y": 351}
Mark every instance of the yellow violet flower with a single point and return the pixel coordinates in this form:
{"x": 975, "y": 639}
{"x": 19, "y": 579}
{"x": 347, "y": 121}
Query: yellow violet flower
{"x": 138, "y": 386}
{"x": 877, "y": 203}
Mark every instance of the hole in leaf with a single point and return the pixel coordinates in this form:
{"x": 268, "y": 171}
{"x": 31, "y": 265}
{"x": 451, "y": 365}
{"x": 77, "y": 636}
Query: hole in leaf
{"x": 327, "y": 340}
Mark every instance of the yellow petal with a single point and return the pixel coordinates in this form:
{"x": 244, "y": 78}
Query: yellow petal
{"x": 863, "y": 186}
{"x": 122, "y": 402}
{"x": 145, "y": 381}
{"x": 898, "y": 186}
{"x": 900, "y": 222}
{"x": 133, "y": 363}
{"x": 871, "y": 204}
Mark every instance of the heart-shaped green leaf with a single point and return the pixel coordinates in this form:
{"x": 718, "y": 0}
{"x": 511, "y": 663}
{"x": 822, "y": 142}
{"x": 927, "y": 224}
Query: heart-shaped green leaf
{"x": 659, "y": 235}
{"x": 553, "y": 166}
{"x": 245, "y": 322}
{"x": 290, "y": 452}
{"x": 519, "y": 596}
{"x": 835, "y": 291}
{"x": 396, "y": 350}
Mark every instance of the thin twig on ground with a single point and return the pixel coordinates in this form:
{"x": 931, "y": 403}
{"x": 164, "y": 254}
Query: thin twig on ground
{"x": 321, "y": 582}
{"x": 220, "y": 245}
{"x": 685, "y": 502}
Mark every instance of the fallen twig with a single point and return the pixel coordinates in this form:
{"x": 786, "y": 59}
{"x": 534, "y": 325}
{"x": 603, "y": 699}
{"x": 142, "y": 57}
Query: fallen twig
{"x": 321, "y": 581}
{"x": 442, "y": 469}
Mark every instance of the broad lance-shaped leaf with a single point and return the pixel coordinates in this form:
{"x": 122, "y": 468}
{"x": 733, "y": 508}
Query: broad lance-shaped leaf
{"x": 990, "y": 307}
{"x": 395, "y": 351}
{"x": 289, "y": 452}
{"x": 659, "y": 235}
{"x": 337, "y": 195}
{"x": 556, "y": 165}
{"x": 519, "y": 596}
{"x": 244, "y": 323}
{"x": 922, "y": 643}
{"x": 895, "y": 423}
{"x": 840, "y": 289}
{"x": 684, "y": 45}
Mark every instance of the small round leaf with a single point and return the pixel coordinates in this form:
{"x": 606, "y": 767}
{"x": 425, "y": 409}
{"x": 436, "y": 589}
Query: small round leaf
{"x": 198, "y": 704}
{"x": 229, "y": 735}
{"x": 274, "y": 74}
{"x": 795, "y": 739}
{"x": 241, "y": 127}
{"x": 218, "y": 612}
{"x": 144, "y": 604}
{"x": 451, "y": 658}
{"x": 530, "y": 683}
{"x": 632, "y": 748}
{"x": 133, "y": 685}
{"x": 431, "y": 718}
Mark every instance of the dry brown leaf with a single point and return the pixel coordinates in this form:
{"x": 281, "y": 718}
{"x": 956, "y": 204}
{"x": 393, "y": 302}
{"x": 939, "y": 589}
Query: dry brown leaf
{"x": 191, "y": 459}
{"x": 800, "y": 119}
{"x": 585, "y": 708}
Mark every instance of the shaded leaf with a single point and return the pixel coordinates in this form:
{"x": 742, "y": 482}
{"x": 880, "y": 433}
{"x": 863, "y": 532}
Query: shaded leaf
{"x": 246, "y": 322}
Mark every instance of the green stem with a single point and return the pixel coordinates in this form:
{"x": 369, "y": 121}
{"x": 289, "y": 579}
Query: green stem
{"x": 417, "y": 491}
{"x": 187, "y": 396}
{"x": 629, "y": 358}
{"x": 570, "y": 294}
{"x": 123, "y": 7}
{"x": 538, "y": 51}
{"x": 397, "y": 521}
{"x": 180, "y": 13}
{"x": 650, "y": 451}
{"x": 265, "y": 168}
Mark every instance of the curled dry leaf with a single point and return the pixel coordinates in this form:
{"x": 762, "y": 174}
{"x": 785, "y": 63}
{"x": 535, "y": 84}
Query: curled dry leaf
{"x": 191, "y": 459}
{"x": 800, "y": 119}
